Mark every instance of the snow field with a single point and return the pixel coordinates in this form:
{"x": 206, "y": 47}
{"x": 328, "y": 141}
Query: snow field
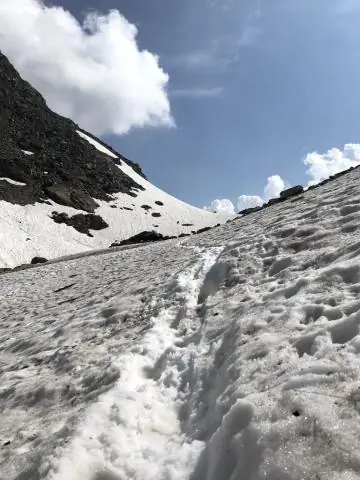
{"x": 229, "y": 355}
{"x": 135, "y": 431}
{"x": 29, "y": 231}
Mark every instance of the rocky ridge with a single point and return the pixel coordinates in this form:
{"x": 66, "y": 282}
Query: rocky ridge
{"x": 45, "y": 158}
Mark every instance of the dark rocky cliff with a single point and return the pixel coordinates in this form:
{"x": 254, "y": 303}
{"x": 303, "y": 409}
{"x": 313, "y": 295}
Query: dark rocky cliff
{"x": 63, "y": 167}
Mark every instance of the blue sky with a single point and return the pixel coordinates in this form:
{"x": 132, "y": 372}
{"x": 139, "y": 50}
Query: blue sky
{"x": 254, "y": 86}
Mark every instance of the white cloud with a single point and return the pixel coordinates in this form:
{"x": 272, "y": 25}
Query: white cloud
{"x": 322, "y": 165}
{"x": 197, "y": 92}
{"x": 93, "y": 72}
{"x": 275, "y": 184}
{"x": 248, "y": 201}
{"x": 195, "y": 59}
{"x": 221, "y": 206}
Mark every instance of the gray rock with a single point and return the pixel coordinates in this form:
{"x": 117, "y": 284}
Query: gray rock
{"x": 291, "y": 192}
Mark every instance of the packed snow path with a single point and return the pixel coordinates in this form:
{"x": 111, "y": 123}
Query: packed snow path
{"x": 230, "y": 355}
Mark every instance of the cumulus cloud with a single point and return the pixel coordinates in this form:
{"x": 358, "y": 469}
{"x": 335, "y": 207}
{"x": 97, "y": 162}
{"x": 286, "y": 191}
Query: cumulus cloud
{"x": 275, "y": 184}
{"x": 221, "y": 206}
{"x": 248, "y": 201}
{"x": 197, "y": 92}
{"x": 94, "y": 72}
{"x": 322, "y": 165}
{"x": 272, "y": 189}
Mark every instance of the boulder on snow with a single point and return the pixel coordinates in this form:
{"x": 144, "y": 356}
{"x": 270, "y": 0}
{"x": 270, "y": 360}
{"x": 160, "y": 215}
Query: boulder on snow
{"x": 37, "y": 260}
{"x": 81, "y": 222}
{"x": 143, "y": 237}
{"x": 291, "y": 192}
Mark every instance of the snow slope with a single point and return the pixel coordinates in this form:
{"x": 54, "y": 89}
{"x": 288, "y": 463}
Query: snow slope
{"x": 29, "y": 231}
{"x": 229, "y": 355}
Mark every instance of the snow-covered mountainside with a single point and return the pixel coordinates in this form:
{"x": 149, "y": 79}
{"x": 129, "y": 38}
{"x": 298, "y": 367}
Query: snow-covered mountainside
{"x": 229, "y": 355}
{"x": 63, "y": 191}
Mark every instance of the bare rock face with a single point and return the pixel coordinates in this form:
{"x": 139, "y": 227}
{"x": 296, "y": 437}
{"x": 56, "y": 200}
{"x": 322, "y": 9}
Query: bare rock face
{"x": 72, "y": 197}
{"x": 44, "y": 151}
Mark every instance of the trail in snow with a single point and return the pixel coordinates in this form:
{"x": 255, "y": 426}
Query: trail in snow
{"x": 135, "y": 430}
{"x": 180, "y": 362}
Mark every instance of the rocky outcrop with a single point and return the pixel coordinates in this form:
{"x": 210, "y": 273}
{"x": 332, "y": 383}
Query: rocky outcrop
{"x": 274, "y": 201}
{"x": 44, "y": 151}
{"x": 135, "y": 166}
{"x": 83, "y": 223}
{"x": 247, "y": 211}
{"x": 291, "y": 192}
{"x": 66, "y": 194}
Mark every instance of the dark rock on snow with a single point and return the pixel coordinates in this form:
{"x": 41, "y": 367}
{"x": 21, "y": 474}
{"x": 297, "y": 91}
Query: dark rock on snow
{"x": 37, "y": 260}
{"x": 158, "y": 202}
{"x": 202, "y": 230}
{"x": 143, "y": 237}
{"x": 24, "y": 266}
{"x": 5, "y": 270}
{"x": 81, "y": 222}
{"x": 291, "y": 192}
{"x": 247, "y": 211}
{"x": 274, "y": 201}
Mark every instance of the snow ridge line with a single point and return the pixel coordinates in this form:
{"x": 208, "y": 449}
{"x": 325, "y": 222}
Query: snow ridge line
{"x": 135, "y": 430}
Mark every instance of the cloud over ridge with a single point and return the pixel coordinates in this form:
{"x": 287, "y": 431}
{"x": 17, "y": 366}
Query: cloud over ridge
{"x": 320, "y": 166}
{"x": 92, "y": 72}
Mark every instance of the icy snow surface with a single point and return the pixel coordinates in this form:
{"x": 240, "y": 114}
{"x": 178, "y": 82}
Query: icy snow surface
{"x": 231, "y": 355}
{"x": 26, "y": 232}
